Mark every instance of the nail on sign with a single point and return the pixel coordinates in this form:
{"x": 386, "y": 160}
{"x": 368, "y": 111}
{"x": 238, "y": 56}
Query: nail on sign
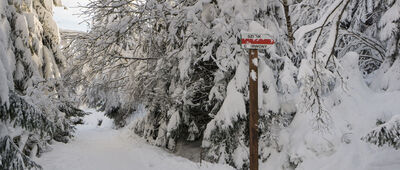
{"x": 255, "y": 41}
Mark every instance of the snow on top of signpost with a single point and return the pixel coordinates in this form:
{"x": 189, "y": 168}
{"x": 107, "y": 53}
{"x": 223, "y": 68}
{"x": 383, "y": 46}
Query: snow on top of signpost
{"x": 255, "y": 27}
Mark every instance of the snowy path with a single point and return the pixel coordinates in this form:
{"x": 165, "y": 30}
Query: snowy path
{"x": 102, "y": 148}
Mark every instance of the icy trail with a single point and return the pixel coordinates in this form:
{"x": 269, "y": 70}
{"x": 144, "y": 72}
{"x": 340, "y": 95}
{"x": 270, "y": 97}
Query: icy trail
{"x": 102, "y": 148}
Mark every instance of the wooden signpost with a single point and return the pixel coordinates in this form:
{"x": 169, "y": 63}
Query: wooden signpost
{"x": 253, "y": 42}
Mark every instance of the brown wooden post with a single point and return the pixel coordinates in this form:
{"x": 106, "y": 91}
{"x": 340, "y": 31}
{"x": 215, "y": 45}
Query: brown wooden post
{"x": 253, "y": 125}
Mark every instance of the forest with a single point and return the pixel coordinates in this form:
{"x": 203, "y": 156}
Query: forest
{"x": 173, "y": 74}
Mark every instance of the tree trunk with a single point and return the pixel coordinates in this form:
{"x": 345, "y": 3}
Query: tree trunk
{"x": 288, "y": 21}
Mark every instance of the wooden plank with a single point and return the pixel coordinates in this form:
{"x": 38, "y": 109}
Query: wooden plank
{"x": 253, "y": 115}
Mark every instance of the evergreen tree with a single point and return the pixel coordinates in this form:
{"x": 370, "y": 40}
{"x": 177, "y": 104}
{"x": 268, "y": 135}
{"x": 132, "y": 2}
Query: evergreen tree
{"x": 33, "y": 107}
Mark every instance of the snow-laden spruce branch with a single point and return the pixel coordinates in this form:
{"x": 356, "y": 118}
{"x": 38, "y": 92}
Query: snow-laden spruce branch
{"x": 387, "y": 133}
{"x": 368, "y": 41}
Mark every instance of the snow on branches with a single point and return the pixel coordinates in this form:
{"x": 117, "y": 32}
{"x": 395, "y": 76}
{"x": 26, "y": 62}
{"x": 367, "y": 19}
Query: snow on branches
{"x": 387, "y": 133}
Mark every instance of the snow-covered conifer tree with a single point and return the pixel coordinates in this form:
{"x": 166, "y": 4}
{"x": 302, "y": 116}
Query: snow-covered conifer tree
{"x": 33, "y": 107}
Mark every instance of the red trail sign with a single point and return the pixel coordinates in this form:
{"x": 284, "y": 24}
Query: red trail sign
{"x": 256, "y": 41}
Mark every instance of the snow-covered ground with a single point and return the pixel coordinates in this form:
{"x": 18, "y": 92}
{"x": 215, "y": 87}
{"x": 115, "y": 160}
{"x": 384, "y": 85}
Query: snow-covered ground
{"x": 103, "y": 148}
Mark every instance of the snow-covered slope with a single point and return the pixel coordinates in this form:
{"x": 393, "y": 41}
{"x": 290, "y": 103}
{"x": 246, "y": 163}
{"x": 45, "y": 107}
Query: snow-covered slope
{"x": 354, "y": 109}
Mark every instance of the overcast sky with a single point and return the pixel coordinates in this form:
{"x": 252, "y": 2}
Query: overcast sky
{"x": 69, "y": 18}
